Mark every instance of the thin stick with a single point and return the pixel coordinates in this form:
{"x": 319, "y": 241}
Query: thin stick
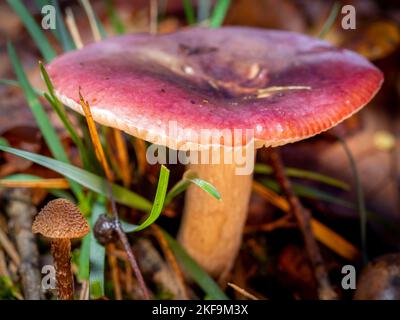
{"x": 171, "y": 260}
{"x": 242, "y": 291}
{"x": 125, "y": 243}
{"x": 9, "y": 248}
{"x": 132, "y": 260}
{"x": 303, "y": 217}
{"x": 3, "y": 265}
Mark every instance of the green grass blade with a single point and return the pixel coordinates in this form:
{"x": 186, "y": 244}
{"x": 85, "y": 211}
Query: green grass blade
{"x": 261, "y": 168}
{"x": 4, "y": 142}
{"x": 84, "y": 258}
{"x": 189, "y": 12}
{"x": 63, "y": 35}
{"x": 15, "y": 83}
{"x": 85, "y": 178}
{"x": 219, "y": 13}
{"x": 35, "y": 31}
{"x": 158, "y": 203}
{"x": 360, "y": 198}
{"x": 60, "y": 110}
{"x": 115, "y": 19}
{"x": 330, "y": 21}
{"x": 41, "y": 117}
{"x": 92, "y": 15}
{"x": 97, "y": 256}
{"x": 203, "y": 11}
{"x": 204, "y": 281}
{"x": 188, "y": 178}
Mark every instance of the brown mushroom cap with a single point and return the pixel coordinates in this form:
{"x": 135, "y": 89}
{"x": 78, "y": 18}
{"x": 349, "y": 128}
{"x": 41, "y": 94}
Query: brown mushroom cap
{"x": 60, "y": 219}
{"x": 218, "y": 79}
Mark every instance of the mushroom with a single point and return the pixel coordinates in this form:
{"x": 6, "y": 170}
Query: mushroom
{"x": 60, "y": 220}
{"x": 280, "y": 86}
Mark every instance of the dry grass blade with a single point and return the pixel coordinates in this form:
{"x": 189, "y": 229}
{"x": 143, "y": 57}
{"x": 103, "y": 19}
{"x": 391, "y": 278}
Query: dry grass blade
{"x": 95, "y": 138}
{"x": 153, "y": 16}
{"x": 325, "y": 235}
{"x": 123, "y": 157}
{"x": 171, "y": 260}
{"x": 242, "y": 291}
{"x": 283, "y": 222}
{"x": 112, "y": 260}
{"x": 266, "y": 92}
{"x": 56, "y": 183}
{"x": 140, "y": 150}
{"x": 92, "y": 20}
{"x": 84, "y": 294}
{"x": 73, "y": 28}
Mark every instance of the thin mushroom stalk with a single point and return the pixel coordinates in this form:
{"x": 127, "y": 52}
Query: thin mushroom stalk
{"x": 61, "y": 252}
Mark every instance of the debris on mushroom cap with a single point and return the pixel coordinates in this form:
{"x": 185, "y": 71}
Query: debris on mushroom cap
{"x": 285, "y": 86}
{"x": 60, "y": 219}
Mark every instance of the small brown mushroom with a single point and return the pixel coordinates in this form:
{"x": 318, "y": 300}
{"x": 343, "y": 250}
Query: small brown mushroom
{"x": 60, "y": 220}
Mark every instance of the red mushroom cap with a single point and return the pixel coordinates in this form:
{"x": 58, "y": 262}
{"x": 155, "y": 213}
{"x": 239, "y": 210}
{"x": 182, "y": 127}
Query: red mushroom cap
{"x": 285, "y": 86}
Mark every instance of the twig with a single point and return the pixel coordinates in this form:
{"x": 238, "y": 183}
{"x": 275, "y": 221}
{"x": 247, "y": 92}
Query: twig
{"x": 3, "y": 265}
{"x": 171, "y": 260}
{"x": 9, "y": 248}
{"x": 21, "y": 214}
{"x": 303, "y": 217}
{"x": 132, "y": 260}
{"x": 125, "y": 244}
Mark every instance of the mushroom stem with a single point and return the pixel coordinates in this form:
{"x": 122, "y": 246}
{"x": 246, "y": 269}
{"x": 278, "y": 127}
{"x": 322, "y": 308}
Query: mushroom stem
{"x": 211, "y": 230}
{"x": 61, "y": 252}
